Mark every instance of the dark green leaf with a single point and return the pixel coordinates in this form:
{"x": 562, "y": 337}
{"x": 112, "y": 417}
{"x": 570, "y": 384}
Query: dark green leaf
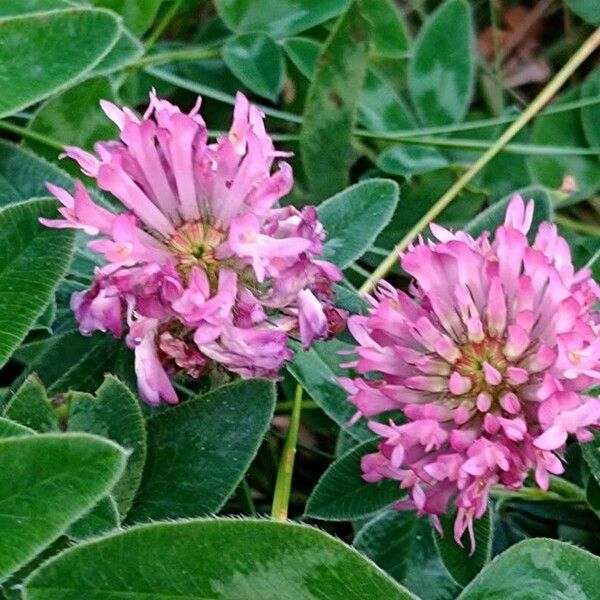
{"x": 355, "y": 217}
{"x": 329, "y": 113}
{"x": 10, "y": 8}
{"x": 43, "y": 53}
{"x": 407, "y": 161}
{"x": 401, "y": 544}
{"x": 304, "y": 53}
{"x": 350, "y": 300}
{"x": 342, "y": 494}
{"x": 199, "y": 451}
{"x": 317, "y": 370}
{"x": 101, "y": 519}
{"x": 213, "y": 559}
{"x": 588, "y": 10}
{"x": 442, "y": 68}
{"x": 33, "y": 259}
{"x": 463, "y": 563}
{"x": 11, "y": 429}
{"x": 114, "y": 413}
{"x": 590, "y": 115}
{"x": 47, "y": 481}
{"x": 538, "y": 570}
{"x": 138, "y": 16}
{"x": 257, "y": 61}
{"x": 492, "y": 217}
{"x": 127, "y": 49}
{"x": 279, "y": 18}
{"x": 31, "y": 407}
{"x": 390, "y": 37}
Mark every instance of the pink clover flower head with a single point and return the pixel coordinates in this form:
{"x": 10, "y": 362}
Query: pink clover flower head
{"x": 488, "y": 359}
{"x": 201, "y": 267}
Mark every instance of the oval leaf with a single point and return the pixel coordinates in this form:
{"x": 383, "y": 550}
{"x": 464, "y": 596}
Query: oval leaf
{"x": 43, "y": 53}
{"x": 407, "y": 161}
{"x": 390, "y": 37}
{"x": 538, "y": 570}
{"x": 31, "y": 407}
{"x": 343, "y": 495}
{"x": 355, "y": 217}
{"x": 199, "y": 451}
{"x": 330, "y": 110}
{"x": 278, "y": 18}
{"x": 257, "y": 61}
{"x": 47, "y": 481}
{"x": 216, "y": 559}
{"x": 441, "y": 71}
{"x": 138, "y": 16}
{"x": 33, "y": 259}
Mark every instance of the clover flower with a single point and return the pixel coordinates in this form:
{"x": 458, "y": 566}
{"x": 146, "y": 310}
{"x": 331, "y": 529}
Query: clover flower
{"x": 202, "y": 268}
{"x": 487, "y": 359}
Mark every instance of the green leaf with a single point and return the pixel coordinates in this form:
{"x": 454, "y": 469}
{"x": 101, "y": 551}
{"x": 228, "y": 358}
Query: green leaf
{"x": 461, "y": 564}
{"x": 591, "y": 454}
{"x": 31, "y": 407}
{"x": 137, "y": 16}
{"x": 492, "y": 217}
{"x": 590, "y": 115}
{"x": 101, "y": 519}
{"x": 257, "y": 61}
{"x": 355, "y": 217}
{"x": 401, "y": 544}
{"x": 390, "y": 37}
{"x": 33, "y": 259}
{"x": 43, "y": 53}
{"x": 441, "y": 70}
{"x": 330, "y": 110}
{"x": 588, "y": 10}
{"x": 538, "y": 569}
{"x": 342, "y": 494}
{"x": 75, "y": 118}
{"x": 213, "y": 559}
{"x": 114, "y": 413}
{"x": 317, "y": 370}
{"x": 350, "y": 300}
{"x": 564, "y": 129}
{"x": 10, "y": 8}
{"x": 304, "y": 53}
{"x": 127, "y": 49}
{"x": 199, "y": 450}
{"x": 279, "y": 18}
{"x": 11, "y": 429}
{"x": 47, "y": 481}
{"x": 407, "y": 161}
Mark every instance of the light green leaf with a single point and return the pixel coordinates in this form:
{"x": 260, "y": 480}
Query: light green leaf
{"x": 47, "y": 481}
{"x": 137, "y": 15}
{"x": 257, "y": 61}
{"x": 279, "y": 18}
{"x": 11, "y": 429}
{"x": 10, "y": 8}
{"x": 199, "y": 451}
{"x": 565, "y": 129}
{"x": 33, "y": 259}
{"x": 31, "y": 407}
{"x": 390, "y": 37}
{"x": 588, "y": 10}
{"x": 355, "y": 217}
{"x": 461, "y": 564}
{"x": 127, "y": 49}
{"x": 342, "y": 494}
{"x": 492, "y": 217}
{"x": 213, "y": 559}
{"x": 442, "y": 68}
{"x": 75, "y": 118}
{"x": 407, "y": 161}
{"x": 330, "y": 110}
{"x": 317, "y": 371}
{"x": 401, "y": 544}
{"x": 538, "y": 569}
{"x": 40, "y": 54}
{"x": 114, "y": 413}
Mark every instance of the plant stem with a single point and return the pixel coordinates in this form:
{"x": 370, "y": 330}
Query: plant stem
{"x": 244, "y": 496}
{"x": 179, "y": 54}
{"x": 560, "y": 490}
{"x": 284, "y": 407}
{"x": 164, "y": 23}
{"x": 283, "y": 484}
{"x": 579, "y": 226}
{"x": 586, "y": 49}
{"x": 32, "y": 135}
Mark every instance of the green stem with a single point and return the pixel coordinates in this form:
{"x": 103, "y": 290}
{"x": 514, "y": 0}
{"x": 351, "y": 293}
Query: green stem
{"x": 164, "y": 23}
{"x": 586, "y": 49}
{"x": 244, "y": 496}
{"x": 283, "y": 484}
{"x": 560, "y": 490}
{"x": 179, "y": 54}
{"x": 579, "y": 226}
{"x": 32, "y": 135}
